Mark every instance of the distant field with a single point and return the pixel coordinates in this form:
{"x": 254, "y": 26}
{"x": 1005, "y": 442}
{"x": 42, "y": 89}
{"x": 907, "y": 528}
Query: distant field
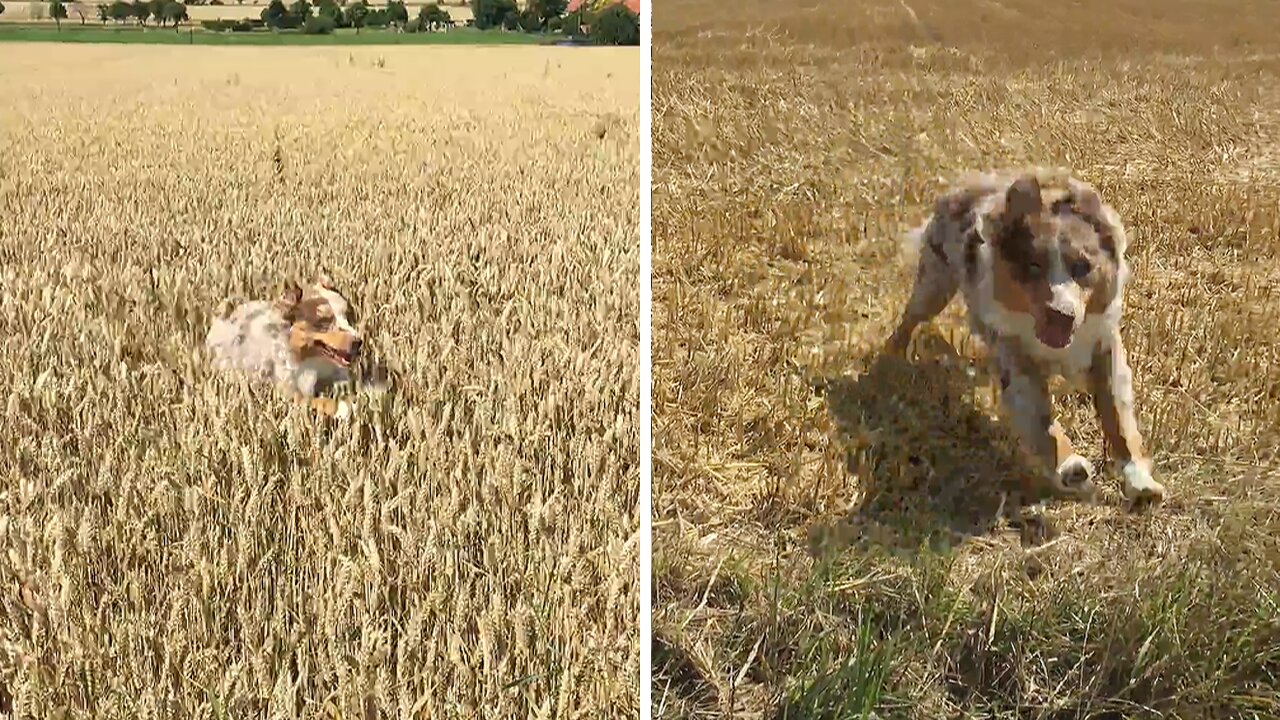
{"x": 18, "y": 11}
{"x": 181, "y": 546}
{"x": 833, "y": 536}
{"x": 75, "y": 33}
{"x": 236, "y": 12}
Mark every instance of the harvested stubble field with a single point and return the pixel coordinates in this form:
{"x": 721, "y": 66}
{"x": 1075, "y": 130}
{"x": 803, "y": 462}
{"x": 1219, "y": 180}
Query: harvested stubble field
{"x": 829, "y": 540}
{"x": 180, "y": 545}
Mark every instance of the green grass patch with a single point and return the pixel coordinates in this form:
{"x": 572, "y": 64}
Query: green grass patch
{"x": 198, "y": 36}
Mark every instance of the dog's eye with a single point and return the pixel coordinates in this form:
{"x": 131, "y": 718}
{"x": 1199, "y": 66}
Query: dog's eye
{"x": 1034, "y": 271}
{"x": 1080, "y": 268}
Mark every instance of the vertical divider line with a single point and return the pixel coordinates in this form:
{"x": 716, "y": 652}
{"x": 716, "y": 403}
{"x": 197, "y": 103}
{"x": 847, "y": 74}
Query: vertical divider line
{"x": 646, "y": 358}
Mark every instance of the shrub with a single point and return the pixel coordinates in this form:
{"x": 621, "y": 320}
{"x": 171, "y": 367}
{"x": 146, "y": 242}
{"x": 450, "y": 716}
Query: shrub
{"x": 432, "y": 15}
{"x": 318, "y": 25}
{"x": 332, "y": 9}
{"x": 356, "y": 14}
{"x": 555, "y": 24}
{"x": 530, "y": 20}
{"x": 616, "y": 25}
{"x": 572, "y": 25}
{"x": 397, "y": 13}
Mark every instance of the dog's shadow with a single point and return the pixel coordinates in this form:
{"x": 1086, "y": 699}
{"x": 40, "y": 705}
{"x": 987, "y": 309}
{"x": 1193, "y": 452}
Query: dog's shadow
{"x": 930, "y": 467}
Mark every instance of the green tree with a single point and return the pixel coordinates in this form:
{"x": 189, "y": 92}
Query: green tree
{"x": 141, "y": 11}
{"x": 58, "y": 11}
{"x": 319, "y": 25}
{"x": 119, "y": 10}
{"x": 493, "y": 13}
{"x": 356, "y": 14}
{"x": 397, "y": 13}
{"x": 332, "y": 10}
{"x": 432, "y": 15}
{"x": 530, "y": 20}
{"x": 548, "y": 9}
{"x": 103, "y": 13}
{"x": 616, "y": 25}
{"x": 175, "y": 12}
{"x": 301, "y": 10}
{"x": 572, "y": 24}
{"x": 274, "y": 13}
{"x": 155, "y": 8}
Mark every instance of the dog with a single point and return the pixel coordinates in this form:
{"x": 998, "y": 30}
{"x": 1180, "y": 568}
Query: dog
{"x": 304, "y": 341}
{"x": 1039, "y": 258}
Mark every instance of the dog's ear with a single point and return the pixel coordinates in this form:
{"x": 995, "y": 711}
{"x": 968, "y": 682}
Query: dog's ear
{"x": 1022, "y": 199}
{"x": 287, "y": 302}
{"x": 1087, "y": 203}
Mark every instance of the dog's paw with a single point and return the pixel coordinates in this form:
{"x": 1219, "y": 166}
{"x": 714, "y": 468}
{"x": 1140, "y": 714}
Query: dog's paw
{"x": 344, "y": 411}
{"x": 1139, "y": 489}
{"x": 1074, "y": 476}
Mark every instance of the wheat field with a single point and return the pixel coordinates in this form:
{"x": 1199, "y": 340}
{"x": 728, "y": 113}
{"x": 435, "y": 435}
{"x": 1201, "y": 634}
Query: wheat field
{"x": 181, "y": 545}
{"x": 832, "y": 533}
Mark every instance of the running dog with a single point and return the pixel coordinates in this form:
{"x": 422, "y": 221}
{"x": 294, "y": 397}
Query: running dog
{"x": 304, "y": 341}
{"x": 1040, "y": 260}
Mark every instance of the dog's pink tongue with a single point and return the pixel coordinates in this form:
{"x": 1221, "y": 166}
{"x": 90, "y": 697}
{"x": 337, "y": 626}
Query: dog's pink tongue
{"x": 1056, "y": 330}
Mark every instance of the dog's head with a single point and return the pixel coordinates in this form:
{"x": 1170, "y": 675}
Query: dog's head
{"x": 321, "y": 323}
{"x": 1057, "y": 255}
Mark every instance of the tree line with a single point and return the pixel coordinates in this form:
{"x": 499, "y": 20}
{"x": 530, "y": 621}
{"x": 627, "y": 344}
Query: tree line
{"x": 613, "y": 25}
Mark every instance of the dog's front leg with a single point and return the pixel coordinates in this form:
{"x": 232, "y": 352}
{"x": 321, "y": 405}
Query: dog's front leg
{"x": 1111, "y": 384}
{"x": 327, "y": 406}
{"x": 1025, "y": 397}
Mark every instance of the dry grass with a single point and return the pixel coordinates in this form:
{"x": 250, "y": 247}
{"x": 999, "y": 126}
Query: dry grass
{"x": 828, "y": 541}
{"x": 178, "y": 545}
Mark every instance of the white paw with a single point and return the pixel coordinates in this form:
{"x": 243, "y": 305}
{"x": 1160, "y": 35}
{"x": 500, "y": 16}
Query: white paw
{"x": 1139, "y": 488}
{"x": 345, "y": 410}
{"x": 1074, "y": 476}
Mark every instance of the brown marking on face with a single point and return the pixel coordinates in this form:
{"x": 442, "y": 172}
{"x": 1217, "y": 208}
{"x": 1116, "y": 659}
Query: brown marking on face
{"x": 1035, "y": 242}
{"x": 1008, "y": 292}
{"x": 313, "y": 330}
{"x": 1021, "y": 257}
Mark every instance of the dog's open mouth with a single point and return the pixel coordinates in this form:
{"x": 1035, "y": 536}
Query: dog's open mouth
{"x": 1055, "y": 329}
{"x": 335, "y": 356}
